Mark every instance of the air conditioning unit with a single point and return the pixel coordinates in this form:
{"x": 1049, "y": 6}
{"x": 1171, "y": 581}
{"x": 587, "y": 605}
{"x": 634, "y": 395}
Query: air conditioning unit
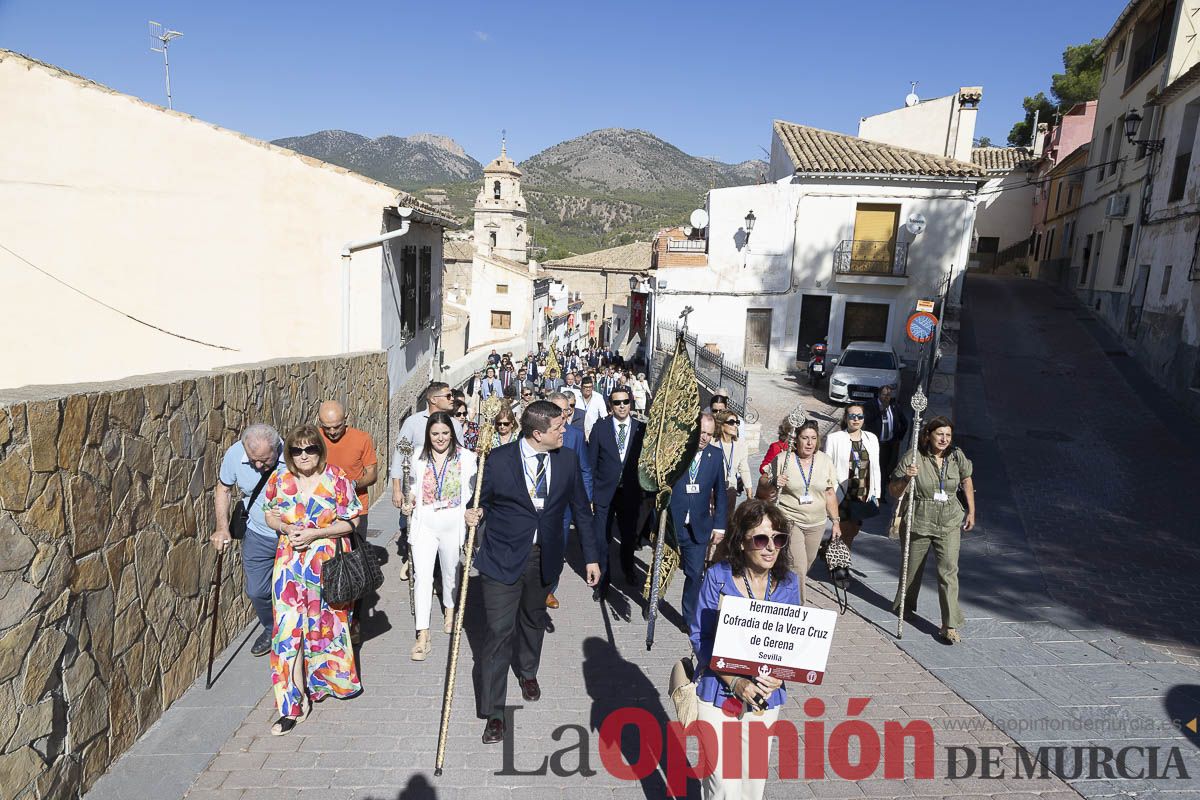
{"x": 1117, "y": 206}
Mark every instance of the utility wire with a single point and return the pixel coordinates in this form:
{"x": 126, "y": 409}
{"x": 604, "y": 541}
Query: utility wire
{"x": 56, "y": 279}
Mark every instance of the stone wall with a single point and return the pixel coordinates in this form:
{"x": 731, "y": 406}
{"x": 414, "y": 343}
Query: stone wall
{"x": 105, "y": 510}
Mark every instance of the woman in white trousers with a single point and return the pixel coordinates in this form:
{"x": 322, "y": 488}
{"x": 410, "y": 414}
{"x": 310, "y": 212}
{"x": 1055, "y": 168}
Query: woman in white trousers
{"x": 441, "y": 482}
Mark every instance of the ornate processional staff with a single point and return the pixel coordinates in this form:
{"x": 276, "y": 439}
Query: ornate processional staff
{"x": 490, "y": 408}
{"x": 671, "y": 439}
{"x": 405, "y": 447}
{"x": 919, "y": 403}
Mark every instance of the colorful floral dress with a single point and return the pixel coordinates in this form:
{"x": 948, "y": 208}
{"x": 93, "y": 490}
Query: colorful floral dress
{"x": 311, "y": 640}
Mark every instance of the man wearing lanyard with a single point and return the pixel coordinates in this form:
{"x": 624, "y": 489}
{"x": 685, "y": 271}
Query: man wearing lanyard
{"x": 699, "y": 489}
{"x": 527, "y": 487}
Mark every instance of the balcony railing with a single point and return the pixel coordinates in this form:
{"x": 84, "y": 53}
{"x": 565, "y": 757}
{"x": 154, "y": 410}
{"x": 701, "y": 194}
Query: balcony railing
{"x": 858, "y": 257}
{"x": 687, "y": 246}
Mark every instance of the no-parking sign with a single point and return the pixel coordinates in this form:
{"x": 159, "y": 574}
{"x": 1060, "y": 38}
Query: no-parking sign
{"x": 921, "y": 327}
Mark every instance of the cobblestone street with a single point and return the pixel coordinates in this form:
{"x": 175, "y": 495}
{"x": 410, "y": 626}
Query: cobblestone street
{"x": 1049, "y": 659}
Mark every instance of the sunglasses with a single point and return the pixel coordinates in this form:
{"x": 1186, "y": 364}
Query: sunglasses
{"x": 311, "y": 450}
{"x": 759, "y": 541}
{"x": 460, "y": 414}
{"x": 503, "y": 422}
{"x": 855, "y": 416}
{"x": 732, "y": 422}
{"x": 621, "y": 402}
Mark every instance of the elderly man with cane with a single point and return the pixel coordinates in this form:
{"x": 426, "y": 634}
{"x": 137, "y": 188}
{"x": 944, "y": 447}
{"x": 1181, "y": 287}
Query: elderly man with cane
{"x": 247, "y": 465}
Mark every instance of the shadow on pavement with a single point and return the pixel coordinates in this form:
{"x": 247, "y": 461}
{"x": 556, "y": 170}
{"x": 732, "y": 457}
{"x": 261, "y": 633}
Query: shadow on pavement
{"x": 614, "y": 683}
{"x": 1182, "y": 703}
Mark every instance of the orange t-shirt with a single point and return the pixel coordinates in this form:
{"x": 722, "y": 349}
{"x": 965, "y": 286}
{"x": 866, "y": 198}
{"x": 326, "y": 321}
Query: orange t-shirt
{"x": 354, "y": 452}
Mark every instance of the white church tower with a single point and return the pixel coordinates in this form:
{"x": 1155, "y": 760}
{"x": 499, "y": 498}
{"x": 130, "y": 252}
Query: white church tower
{"x": 501, "y": 217}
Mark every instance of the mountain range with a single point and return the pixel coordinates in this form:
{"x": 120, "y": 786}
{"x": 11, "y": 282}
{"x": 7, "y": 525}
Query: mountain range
{"x": 602, "y": 189}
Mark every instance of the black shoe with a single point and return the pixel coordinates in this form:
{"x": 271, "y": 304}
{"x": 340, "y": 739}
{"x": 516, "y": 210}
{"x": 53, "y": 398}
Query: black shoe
{"x": 493, "y": 732}
{"x": 530, "y": 689}
{"x": 262, "y": 645}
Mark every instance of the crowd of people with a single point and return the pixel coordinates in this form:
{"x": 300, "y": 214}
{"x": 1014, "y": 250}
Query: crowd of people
{"x": 563, "y": 457}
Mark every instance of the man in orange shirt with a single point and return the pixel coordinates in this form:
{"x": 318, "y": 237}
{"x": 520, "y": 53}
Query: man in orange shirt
{"x": 352, "y": 450}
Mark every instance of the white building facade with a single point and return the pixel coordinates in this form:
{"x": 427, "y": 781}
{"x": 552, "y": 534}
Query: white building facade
{"x": 159, "y": 242}
{"x": 825, "y": 250}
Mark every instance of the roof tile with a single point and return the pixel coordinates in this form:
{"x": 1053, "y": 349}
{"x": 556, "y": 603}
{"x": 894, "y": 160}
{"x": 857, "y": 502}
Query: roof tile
{"x": 813, "y": 150}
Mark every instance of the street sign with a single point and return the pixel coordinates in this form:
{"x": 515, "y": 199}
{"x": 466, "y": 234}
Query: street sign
{"x": 921, "y": 327}
{"x": 925, "y": 305}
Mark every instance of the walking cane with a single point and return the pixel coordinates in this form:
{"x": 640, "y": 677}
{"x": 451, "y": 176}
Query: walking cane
{"x": 215, "y": 587}
{"x": 491, "y": 407}
{"x": 919, "y": 403}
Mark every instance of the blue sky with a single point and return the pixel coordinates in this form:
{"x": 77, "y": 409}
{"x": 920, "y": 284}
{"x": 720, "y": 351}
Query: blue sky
{"x": 706, "y": 76}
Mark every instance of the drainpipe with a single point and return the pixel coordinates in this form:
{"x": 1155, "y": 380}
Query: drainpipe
{"x": 354, "y": 246}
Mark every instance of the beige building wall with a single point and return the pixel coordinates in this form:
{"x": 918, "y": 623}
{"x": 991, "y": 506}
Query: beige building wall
{"x": 186, "y": 226}
{"x": 943, "y": 126}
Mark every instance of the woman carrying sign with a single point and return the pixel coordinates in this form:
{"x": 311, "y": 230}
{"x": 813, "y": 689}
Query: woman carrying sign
{"x": 751, "y": 561}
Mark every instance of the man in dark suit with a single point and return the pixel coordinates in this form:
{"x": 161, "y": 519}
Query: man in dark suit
{"x": 527, "y": 487}
{"x": 699, "y": 489}
{"x": 614, "y": 449}
{"x": 577, "y": 415}
{"x": 885, "y": 419}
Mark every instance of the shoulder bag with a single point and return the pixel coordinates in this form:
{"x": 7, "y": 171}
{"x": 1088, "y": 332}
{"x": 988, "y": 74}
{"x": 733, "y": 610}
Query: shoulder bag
{"x": 351, "y": 574}
{"x": 682, "y": 690}
{"x": 240, "y": 517}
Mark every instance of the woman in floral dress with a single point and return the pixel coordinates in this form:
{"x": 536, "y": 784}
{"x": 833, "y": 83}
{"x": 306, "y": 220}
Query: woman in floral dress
{"x": 310, "y": 504}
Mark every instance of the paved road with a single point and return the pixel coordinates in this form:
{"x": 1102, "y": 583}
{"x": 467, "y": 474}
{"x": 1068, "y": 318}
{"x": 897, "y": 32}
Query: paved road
{"x": 1077, "y": 584}
{"x": 1046, "y": 659}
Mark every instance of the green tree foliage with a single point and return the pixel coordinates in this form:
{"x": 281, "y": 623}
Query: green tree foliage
{"x": 983, "y": 141}
{"x": 1079, "y": 82}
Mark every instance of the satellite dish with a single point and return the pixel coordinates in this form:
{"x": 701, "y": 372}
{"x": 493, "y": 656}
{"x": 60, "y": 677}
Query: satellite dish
{"x": 911, "y": 100}
{"x": 915, "y": 224}
{"x": 687, "y": 230}
{"x": 699, "y": 218}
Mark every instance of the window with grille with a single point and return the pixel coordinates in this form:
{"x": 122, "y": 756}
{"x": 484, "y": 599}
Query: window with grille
{"x": 1183, "y": 155}
{"x": 408, "y": 291}
{"x": 425, "y": 291}
{"x": 502, "y": 319}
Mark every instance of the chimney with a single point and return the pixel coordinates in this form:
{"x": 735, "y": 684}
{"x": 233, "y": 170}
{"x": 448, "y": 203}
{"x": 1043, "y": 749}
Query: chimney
{"x": 968, "y": 108}
{"x": 1039, "y": 139}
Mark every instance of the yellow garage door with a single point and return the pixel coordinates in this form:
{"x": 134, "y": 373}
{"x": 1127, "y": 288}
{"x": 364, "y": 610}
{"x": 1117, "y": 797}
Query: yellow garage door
{"x": 874, "y": 238}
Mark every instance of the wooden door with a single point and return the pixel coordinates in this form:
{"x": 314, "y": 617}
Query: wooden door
{"x": 758, "y": 337}
{"x": 874, "y": 248}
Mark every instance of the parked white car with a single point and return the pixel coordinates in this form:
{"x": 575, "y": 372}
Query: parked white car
{"x": 861, "y": 370}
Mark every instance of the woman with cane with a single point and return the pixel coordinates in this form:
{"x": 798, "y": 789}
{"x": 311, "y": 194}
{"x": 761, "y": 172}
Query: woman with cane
{"x": 443, "y": 474}
{"x": 935, "y": 471}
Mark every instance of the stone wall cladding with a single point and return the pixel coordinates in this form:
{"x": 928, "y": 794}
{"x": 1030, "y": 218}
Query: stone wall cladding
{"x": 106, "y": 506}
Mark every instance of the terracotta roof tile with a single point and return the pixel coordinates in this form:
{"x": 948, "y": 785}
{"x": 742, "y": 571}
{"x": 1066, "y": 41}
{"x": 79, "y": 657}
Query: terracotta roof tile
{"x": 1002, "y": 158}
{"x": 813, "y": 150}
{"x": 626, "y": 258}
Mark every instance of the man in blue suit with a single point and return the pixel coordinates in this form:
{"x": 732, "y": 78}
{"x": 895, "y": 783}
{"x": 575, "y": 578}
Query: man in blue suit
{"x": 698, "y": 513}
{"x": 572, "y": 440}
{"x": 614, "y": 449}
{"x": 527, "y": 487}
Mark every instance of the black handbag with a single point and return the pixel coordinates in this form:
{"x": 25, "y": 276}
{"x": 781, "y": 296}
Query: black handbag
{"x": 240, "y": 517}
{"x": 351, "y": 574}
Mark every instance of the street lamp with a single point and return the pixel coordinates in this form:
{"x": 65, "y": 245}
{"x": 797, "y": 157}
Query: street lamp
{"x": 634, "y": 283}
{"x": 1133, "y": 121}
{"x": 750, "y": 220}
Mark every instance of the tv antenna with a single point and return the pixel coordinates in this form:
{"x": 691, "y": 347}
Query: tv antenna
{"x": 160, "y": 37}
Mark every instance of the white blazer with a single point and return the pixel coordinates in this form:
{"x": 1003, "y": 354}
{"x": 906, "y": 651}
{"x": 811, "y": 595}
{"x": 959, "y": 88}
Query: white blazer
{"x": 738, "y": 460}
{"x": 468, "y": 462}
{"x": 837, "y": 447}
